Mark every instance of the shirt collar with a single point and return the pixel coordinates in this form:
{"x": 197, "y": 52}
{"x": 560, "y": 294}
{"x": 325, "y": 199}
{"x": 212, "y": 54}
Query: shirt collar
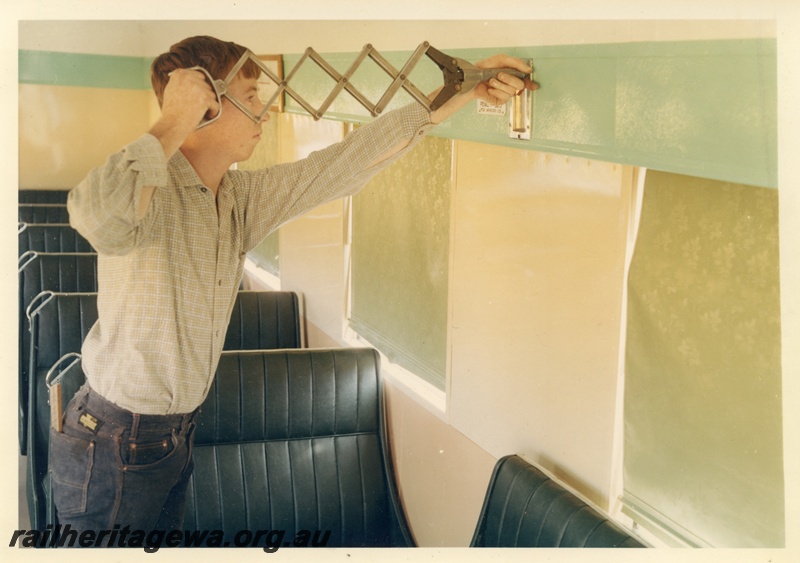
{"x": 182, "y": 173}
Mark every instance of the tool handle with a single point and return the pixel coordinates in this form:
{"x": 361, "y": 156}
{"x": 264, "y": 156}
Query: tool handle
{"x": 489, "y": 73}
{"x": 56, "y": 407}
{"x": 220, "y": 88}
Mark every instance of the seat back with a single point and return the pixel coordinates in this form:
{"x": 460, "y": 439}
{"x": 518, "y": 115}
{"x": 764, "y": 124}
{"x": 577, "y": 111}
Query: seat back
{"x": 51, "y": 238}
{"x": 38, "y": 271}
{"x": 525, "y": 508}
{"x": 264, "y": 320}
{"x": 42, "y": 213}
{"x": 296, "y": 440}
{"x": 59, "y": 323}
{"x": 42, "y": 196}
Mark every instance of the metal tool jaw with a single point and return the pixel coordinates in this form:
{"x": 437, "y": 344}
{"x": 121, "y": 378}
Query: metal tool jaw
{"x": 462, "y": 76}
{"x": 459, "y": 76}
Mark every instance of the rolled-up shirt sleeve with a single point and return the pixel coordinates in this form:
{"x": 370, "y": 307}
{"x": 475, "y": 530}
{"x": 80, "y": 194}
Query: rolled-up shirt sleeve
{"x": 103, "y": 206}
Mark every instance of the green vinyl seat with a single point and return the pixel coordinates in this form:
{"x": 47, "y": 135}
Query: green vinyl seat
{"x": 51, "y": 237}
{"x": 42, "y": 213}
{"x": 524, "y": 507}
{"x": 51, "y": 196}
{"x": 295, "y": 440}
{"x": 38, "y": 272}
{"x": 264, "y": 320}
{"x": 59, "y": 323}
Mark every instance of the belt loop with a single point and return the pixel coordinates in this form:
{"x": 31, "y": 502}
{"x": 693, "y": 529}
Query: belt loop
{"x": 83, "y": 395}
{"x": 188, "y": 418}
{"x": 134, "y": 426}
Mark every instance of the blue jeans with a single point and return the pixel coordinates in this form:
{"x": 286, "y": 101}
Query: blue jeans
{"x": 113, "y": 467}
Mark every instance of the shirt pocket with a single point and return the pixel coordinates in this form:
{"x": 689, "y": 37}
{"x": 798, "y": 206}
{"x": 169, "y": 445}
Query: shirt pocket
{"x": 71, "y": 462}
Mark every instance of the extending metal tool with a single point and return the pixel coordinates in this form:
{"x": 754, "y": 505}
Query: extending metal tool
{"x": 462, "y": 76}
{"x": 459, "y": 76}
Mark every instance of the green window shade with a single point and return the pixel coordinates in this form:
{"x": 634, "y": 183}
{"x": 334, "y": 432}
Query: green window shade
{"x": 400, "y": 246}
{"x": 267, "y": 254}
{"x": 703, "y": 419}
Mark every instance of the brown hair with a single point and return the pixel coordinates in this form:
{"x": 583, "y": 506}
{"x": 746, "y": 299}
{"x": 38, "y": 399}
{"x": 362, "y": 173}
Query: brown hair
{"x": 214, "y": 55}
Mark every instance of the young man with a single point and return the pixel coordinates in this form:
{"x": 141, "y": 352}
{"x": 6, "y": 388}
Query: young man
{"x": 172, "y": 224}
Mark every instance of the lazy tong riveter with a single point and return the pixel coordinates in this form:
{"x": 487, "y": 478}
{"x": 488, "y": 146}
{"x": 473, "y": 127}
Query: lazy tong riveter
{"x": 459, "y": 76}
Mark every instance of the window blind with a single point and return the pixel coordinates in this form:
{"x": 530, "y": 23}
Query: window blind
{"x": 703, "y": 441}
{"x": 267, "y": 254}
{"x": 400, "y": 249}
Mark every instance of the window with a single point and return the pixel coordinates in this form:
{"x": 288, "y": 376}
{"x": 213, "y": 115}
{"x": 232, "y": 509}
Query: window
{"x": 266, "y": 255}
{"x": 400, "y": 253}
{"x": 703, "y": 438}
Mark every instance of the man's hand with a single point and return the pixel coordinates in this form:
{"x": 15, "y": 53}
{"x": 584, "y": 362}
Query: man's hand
{"x": 496, "y": 91}
{"x": 187, "y": 98}
{"x": 499, "y": 90}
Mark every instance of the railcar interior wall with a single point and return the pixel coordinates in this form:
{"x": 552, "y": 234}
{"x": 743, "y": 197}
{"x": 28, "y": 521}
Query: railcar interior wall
{"x": 603, "y": 299}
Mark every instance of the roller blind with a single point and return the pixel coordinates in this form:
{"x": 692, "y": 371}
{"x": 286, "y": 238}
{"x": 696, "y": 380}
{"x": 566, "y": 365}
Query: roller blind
{"x": 703, "y": 411}
{"x": 400, "y": 247}
{"x": 267, "y": 254}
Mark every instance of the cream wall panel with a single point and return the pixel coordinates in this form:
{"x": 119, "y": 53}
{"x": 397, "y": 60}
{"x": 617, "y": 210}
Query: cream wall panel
{"x": 66, "y": 131}
{"x": 101, "y": 37}
{"x": 536, "y": 294}
{"x": 312, "y": 245}
{"x": 311, "y": 249}
{"x": 154, "y": 111}
{"x": 442, "y": 475}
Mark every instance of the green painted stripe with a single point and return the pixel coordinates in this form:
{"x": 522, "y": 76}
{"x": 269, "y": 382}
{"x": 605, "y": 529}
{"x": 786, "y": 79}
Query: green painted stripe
{"x": 89, "y": 71}
{"x": 703, "y": 108}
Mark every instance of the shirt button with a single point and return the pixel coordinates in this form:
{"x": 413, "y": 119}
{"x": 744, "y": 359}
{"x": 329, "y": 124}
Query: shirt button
{"x": 219, "y": 282}
{"x": 204, "y": 190}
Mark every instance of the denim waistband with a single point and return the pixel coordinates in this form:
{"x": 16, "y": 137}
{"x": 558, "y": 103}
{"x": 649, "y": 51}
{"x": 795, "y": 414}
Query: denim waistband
{"x": 102, "y": 408}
